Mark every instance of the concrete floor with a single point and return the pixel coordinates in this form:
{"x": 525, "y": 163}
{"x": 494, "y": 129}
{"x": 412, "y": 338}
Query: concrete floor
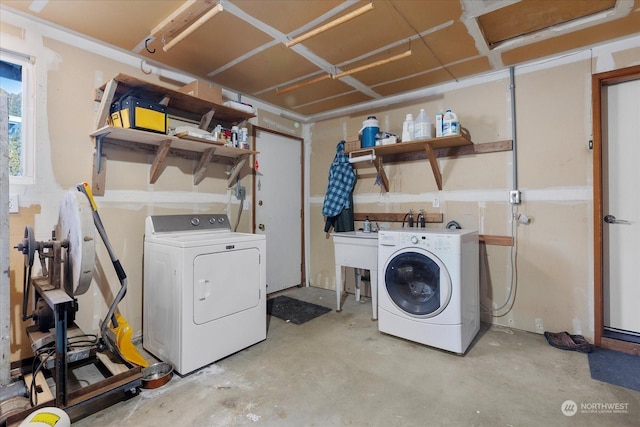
{"x": 339, "y": 370}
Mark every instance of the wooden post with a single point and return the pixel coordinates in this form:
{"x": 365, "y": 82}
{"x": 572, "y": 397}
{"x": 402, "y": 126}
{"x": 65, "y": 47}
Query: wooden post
{"x": 5, "y": 282}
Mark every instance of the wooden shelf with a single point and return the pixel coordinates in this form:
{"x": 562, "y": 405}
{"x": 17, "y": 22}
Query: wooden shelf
{"x": 425, "y": 145}
{"x": 206, "y": 149}
{"x": 179, "y": 105}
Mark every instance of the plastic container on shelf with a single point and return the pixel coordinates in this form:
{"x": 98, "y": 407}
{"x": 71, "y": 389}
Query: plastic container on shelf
{"x": 439, "y": 124}
{"x": 369, "y": 132}
{"x": 450, "y": 124}
{"x": 422, "y": 127}
{"x": 408, "y": 130}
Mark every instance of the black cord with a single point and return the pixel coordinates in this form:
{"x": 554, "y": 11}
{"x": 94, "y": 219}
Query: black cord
{"x": 77, "y": 341}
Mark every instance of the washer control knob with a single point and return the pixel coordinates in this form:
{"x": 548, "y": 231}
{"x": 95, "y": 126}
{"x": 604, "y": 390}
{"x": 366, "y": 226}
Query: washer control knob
{"x": 195, "y": 221}
{"x": 414, "y": 240}
{"x": 221, "y": 220}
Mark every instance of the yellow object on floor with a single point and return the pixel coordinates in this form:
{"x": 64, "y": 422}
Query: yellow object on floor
{"x": 123, "y": 341}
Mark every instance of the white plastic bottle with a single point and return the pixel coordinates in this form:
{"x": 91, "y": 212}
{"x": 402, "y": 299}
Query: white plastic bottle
{"x": 439, "y": 124}
{"x": 422, "y": 127}
{"x": 408, "y": 132}
{"x": 450, "y": 124}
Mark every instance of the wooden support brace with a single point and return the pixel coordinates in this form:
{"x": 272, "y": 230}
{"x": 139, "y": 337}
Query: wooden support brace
{"x": 434, "y": 165}
{"x": 99, "y": 178}
{"x": 385, "y": 181}
{"x": 496, "y": 240}
{"x": 198, "y": 175}
{"x": 161, "y": 154}
{"x": 206, "y": 120}
{"x": 240, "y": 161}
{"x": 105, "y": 104}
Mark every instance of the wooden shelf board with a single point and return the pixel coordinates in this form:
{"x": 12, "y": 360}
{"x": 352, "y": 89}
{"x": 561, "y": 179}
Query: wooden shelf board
{"x": 180, "y": 104}
{"x": 157, "y": 139}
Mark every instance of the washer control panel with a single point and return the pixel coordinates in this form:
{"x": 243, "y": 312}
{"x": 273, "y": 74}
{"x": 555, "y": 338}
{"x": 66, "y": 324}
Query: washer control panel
{"x": 190, "y": 222}
{"x": 441, "y": 240}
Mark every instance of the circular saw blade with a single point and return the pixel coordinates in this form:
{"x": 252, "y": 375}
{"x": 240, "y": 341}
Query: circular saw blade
{"x": 75, "y": 224}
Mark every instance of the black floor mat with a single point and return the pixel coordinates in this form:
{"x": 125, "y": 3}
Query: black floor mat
{"x": 293, "y": 310}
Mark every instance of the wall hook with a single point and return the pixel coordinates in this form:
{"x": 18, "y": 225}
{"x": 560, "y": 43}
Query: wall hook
{"x": 146, "y": 46}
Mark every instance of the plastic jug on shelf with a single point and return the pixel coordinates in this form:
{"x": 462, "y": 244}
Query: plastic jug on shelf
{"x": 450, "y": 124}
{"x": 369, "y": 132}
{"x": 422, "y": 126}
{"x": 408, "y": 129}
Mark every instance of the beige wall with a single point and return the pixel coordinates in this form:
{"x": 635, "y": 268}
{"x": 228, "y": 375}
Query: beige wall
{"x": 66, "y": 78}
{"x": 553, "y": 253}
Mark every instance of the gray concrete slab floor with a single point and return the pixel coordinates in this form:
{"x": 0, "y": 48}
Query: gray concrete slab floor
{"x": 339, "y": 370}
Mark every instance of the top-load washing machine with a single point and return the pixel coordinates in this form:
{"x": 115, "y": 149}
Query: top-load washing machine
{"x": 428, "y": 286}
{"x": 204, "y": 289}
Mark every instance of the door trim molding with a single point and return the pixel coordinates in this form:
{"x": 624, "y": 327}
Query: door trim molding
{"x": 598, "y": 82}
{"x": 254, "y": 134}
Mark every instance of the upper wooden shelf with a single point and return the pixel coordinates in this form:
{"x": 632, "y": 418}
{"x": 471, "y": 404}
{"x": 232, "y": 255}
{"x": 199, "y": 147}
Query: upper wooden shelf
{"x": 178, "y": 104}
{"x": 426, "y": 145}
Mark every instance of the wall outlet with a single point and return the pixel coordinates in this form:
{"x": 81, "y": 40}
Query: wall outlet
{"x": 436, "y": 202}
{"x": 514, "y": 197}
{"x": 14, "y": 206}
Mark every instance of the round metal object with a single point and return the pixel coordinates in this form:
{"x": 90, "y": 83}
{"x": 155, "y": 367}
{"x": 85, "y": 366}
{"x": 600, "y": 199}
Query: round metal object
{"x": 75, "y": 224}
{"x": 157, "y": 375}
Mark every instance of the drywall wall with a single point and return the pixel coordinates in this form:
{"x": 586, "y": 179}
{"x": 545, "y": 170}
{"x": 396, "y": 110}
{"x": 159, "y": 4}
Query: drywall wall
{"x": 66, "y": 77}
{"x": 550, "y": 268}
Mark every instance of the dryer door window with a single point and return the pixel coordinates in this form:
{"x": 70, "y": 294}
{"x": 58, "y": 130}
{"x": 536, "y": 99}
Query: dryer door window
{"x": 418, "y": 284}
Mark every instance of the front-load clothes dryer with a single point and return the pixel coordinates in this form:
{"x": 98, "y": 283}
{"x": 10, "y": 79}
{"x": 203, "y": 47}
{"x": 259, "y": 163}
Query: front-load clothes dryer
{"x": 428, "y": 286}
{"x": 204, "y": 290}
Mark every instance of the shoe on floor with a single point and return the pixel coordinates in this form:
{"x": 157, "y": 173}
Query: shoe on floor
{"x": 564, "y": 341}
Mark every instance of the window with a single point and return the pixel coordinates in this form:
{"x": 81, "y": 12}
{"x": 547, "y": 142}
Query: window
{"x": 14, "y": 82}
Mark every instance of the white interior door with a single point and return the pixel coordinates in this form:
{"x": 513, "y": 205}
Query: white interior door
{"x": 278, "y": 207}
{"x": 622, "y": 207}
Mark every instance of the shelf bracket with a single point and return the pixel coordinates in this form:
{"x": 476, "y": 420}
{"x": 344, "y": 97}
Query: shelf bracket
{"x": 431, "y": 155}
{"x": 240, "y": 161}
{"x": 161, "y": 154}
{"x": 205, "y": 121}
{"x": 198, "y": 175}
{"x": 381, "y": 173}
{"x": 105, "y": 103}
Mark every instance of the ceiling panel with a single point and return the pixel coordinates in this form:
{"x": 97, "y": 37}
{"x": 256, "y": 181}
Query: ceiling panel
{"x": 571, "y": 41}
{"x": 243, "y": 47}
{"x": 286, "y": 15}
{"x": 498, "y": 26}
{"x": 269, "y": 68}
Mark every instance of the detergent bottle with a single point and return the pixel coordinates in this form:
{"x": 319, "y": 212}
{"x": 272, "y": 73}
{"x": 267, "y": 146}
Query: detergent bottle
{"x": 450, "y": 124}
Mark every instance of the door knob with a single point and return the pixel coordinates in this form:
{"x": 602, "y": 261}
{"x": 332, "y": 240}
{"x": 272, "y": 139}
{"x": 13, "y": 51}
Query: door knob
{"x": 261, "y": 227}
{"x": 610, "y": 219}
